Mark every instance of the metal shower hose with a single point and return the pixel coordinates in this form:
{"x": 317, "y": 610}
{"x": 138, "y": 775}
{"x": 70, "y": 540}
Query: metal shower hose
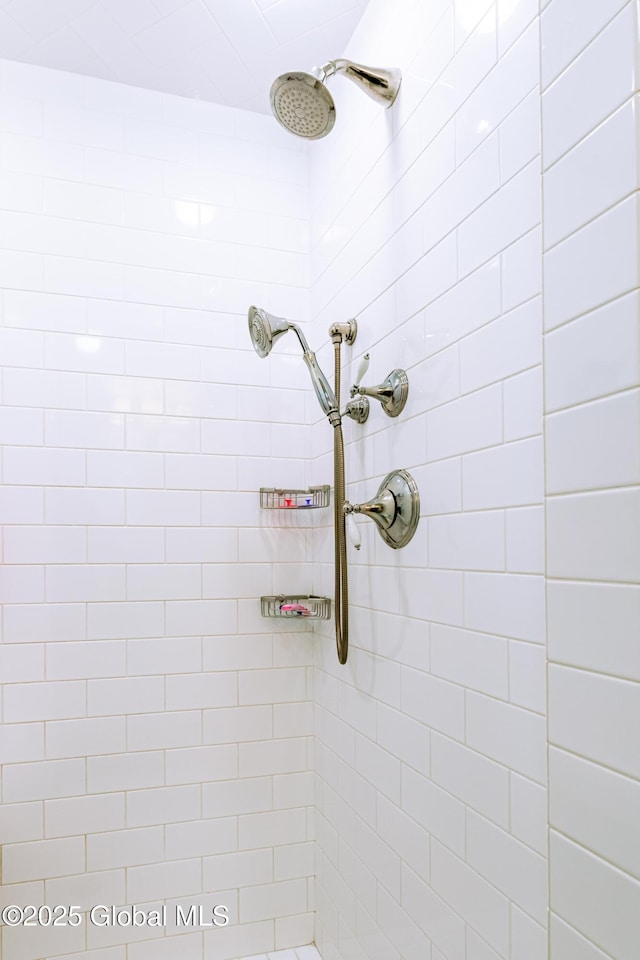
{"x": 340, "y": 544}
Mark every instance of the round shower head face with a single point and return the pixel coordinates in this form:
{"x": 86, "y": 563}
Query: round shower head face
{"x": 303, "y": 105}
{"x": 260, "y": 331}
{"x": 264, "y": 330}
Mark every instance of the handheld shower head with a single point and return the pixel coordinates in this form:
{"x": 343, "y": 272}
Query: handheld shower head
{"x": 264, "y": 329}
{"x": 304, "y": 106}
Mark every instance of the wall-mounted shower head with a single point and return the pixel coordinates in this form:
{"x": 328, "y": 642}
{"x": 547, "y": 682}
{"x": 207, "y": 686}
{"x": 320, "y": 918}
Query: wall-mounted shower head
{"x": 304, "y": 106}
{"x": 264, "y": 329}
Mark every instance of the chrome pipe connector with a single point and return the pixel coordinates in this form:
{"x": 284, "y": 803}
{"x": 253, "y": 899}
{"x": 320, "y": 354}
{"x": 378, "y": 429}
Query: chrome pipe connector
{"x": 357, "y": 410}
{"x": 344, "y": 332}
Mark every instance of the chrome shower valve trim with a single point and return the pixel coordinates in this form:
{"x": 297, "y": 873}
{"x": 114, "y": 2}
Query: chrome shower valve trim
{"x": 392, "y": 392}
{"x": 395, "y": 509}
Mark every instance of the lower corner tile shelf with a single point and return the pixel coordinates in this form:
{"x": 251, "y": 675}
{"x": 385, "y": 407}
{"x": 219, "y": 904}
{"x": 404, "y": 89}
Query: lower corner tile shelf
{"x": 298, "y": 605}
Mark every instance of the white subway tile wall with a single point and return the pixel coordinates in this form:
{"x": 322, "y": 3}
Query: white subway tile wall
{"x": 592, "y": 397}
{"x": 156, "y": 738}
{"x": 426, "y": 224}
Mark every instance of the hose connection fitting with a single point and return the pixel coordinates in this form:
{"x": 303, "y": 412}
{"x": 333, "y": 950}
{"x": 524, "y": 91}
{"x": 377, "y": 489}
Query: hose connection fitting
{"x": 344, "y": 332}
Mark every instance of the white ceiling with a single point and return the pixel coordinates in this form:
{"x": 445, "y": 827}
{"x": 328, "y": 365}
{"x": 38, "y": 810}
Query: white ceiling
{"x": 225, "y": 51}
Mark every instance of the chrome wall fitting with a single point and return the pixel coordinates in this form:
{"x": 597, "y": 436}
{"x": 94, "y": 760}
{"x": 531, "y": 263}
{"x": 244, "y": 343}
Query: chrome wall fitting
{"x": 395, "y": 509}
{"x": 346, "y": 332}
{"x": 357, "y": 410}
{"x": 392, "y": 392}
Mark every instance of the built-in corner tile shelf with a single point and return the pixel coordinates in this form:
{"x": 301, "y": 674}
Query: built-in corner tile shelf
{"x": 310, "y": 499}
{"x": 306, "y": 606}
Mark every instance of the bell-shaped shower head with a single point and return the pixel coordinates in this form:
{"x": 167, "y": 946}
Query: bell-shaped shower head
{"x": 264, "y": 330}
{"x": 302, "y": 103}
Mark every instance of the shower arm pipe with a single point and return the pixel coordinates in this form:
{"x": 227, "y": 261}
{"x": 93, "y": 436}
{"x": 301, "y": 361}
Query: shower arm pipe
{"x": 331, "y": 67}
{"x": 381, "y": 85}
{"x": 341, "y": 601}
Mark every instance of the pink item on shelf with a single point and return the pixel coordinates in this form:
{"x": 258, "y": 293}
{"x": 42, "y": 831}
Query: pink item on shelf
{"x": 295, "y": 608}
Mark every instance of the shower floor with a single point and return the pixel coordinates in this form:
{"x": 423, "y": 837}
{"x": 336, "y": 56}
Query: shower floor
{"x": 299, "y": 953}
